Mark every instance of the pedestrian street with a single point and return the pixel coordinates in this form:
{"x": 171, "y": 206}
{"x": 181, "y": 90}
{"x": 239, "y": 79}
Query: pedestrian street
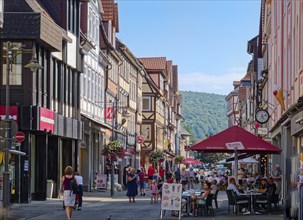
{"x": 99, "y": 206}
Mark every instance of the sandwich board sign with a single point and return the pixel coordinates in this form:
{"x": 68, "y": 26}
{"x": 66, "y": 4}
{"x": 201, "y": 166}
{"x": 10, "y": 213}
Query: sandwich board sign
{"x": 171, "y": 197}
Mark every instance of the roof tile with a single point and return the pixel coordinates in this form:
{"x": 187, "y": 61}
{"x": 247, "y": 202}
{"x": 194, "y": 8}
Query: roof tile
{"x": 154, "y": 63}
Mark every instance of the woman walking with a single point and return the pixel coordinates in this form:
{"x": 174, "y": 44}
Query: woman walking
{"x": 68, "y": 195}
{"x": 132, "y": 187}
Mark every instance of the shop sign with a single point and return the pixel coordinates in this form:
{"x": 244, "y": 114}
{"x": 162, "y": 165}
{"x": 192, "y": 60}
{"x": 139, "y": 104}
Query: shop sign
{"x": 47, "y": 120}
{"x": 140, "y": 139}
{"x": 235, "y": 146}
{"x": 109, "y": 113}
{"x": 13, "y": 113}
{"x": 262, "y": 131}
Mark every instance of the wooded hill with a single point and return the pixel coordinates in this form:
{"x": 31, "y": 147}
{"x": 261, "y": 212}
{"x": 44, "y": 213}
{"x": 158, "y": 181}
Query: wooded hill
{"x": 204, "y": 113}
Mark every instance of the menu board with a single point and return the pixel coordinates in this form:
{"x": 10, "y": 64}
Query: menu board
{"x": 101, "y": 181}
{"x": 171, "y": 196}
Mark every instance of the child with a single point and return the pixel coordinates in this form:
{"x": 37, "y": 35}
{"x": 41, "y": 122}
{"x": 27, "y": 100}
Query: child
{"x": 160, "y": 184}
{"x": 154, "y": 191}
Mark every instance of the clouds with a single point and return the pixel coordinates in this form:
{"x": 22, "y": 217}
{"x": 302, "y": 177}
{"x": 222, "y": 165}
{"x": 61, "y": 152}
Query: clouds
{"x": 218, "y": 84}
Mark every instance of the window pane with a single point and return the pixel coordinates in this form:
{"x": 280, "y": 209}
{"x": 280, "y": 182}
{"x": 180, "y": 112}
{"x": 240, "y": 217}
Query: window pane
{"x": 146, "y": 104}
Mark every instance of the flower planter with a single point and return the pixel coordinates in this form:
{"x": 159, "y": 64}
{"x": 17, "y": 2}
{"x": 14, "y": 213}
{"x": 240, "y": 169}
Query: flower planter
{"x": 50, "y": 190}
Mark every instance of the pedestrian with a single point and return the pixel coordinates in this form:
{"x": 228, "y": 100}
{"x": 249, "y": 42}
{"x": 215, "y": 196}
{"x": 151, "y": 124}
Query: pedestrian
{"x": 191, "y": 177}
{"x": 277, "y": 176}
{"x": 156, "y": 175}
{"x": 142, "y": 183}
{"x": 154, "y": 192}
{"x": 125, "y": 175}
{"x": 178, "y": 175}
{"x": 160, "y": 184}
{"x": 161, "y": 172}
{"x": 79, "y": 195}
{"x": 132, "y": 187}
{"x": 170, "y": 178}
{"x": 150, "y": 173}
{"x": 184, "y": 178}
{"x": 68, "y": 195}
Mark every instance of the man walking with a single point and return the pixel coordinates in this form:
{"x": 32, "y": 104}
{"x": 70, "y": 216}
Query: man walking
{"x": 79, "y": 195}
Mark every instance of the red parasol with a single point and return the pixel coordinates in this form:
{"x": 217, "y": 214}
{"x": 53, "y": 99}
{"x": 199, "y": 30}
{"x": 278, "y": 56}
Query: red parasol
{"x": 188, "y": 161}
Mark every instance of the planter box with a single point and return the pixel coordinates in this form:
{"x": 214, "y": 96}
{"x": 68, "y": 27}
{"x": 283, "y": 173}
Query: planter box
{"x": 50, "y": 190}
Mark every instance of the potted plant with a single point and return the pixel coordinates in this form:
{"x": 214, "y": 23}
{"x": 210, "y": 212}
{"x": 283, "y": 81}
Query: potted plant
{"x": 113, "y": 149}
{"x": 50, "y": 188}
{"x": 156, "y": 156}
{"x": 179, "y": 159}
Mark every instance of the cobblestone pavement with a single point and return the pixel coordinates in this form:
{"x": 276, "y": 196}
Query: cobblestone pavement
{"x": 99, "y": 206}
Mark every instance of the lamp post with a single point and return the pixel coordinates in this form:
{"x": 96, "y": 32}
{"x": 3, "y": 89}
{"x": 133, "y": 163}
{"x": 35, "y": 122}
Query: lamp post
{"x": 6, "y": 183}
{"x": 112, "y": 170}
{"x": 33, "y": 65}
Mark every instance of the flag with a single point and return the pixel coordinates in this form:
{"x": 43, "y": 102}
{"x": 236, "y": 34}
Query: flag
{"x": 280, "y": 98}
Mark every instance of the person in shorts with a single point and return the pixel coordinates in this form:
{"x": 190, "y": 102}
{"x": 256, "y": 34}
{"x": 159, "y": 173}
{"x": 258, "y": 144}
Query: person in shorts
{"x": 184, "y": 178}
{"x": 142, "y": 183}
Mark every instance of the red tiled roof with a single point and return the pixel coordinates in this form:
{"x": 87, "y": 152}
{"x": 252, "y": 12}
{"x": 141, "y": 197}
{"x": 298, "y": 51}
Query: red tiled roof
{"x": 246, "y": 77}
{"x": 108, "y": 8}
{"x": 154, "y": 63}
{"x": 116, "y": 17}
{"x": 236, "y": 83}
{"x": 169, "y": 66}
{"x": 175, "y": 78}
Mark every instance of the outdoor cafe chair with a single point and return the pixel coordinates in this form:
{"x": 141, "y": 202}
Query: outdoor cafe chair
{"x": 238, "y": 202}
{"x": 275, "y": 200}
{"x": 207, "y": 208}
{"x": 264, "y": 203}
{"x": 230, "y": 198}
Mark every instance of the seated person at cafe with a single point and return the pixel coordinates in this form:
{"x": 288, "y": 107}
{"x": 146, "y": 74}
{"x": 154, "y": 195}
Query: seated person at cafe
{"x": 202, "y": 198}
{"x": 239, "y": 196}
{"x": 263, "y": 188}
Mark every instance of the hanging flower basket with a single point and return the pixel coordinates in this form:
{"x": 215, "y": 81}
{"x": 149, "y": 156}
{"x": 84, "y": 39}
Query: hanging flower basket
{"x": 156, "y": 156}
{"x": 179, "y": 159}
{"x": 113, "y": 149}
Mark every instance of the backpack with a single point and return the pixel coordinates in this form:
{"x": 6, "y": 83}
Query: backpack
{"x": 73, "y": 186}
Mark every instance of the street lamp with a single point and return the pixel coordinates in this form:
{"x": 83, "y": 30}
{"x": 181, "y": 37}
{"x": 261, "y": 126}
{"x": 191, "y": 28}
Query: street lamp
{"x": 33, "y": 65}
{"x": 112, "y": 170}
{"x": 115, "y": 108}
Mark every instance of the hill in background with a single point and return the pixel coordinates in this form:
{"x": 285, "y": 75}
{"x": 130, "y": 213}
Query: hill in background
{"x": 204, "y": 113}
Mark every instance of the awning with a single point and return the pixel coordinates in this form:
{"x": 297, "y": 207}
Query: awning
{"x": 234, "y": 139}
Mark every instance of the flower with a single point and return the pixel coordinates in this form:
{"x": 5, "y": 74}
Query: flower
{"x": 113, "y": 149}
{"x": 156, "y": 156}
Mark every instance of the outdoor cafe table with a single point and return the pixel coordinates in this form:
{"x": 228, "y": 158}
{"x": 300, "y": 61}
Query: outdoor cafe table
{"x": 187, "y": 195}
{"x": 252, "y": 194}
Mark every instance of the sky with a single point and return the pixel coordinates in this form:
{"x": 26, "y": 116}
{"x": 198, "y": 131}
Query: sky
{"x": 206, "y": 39}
